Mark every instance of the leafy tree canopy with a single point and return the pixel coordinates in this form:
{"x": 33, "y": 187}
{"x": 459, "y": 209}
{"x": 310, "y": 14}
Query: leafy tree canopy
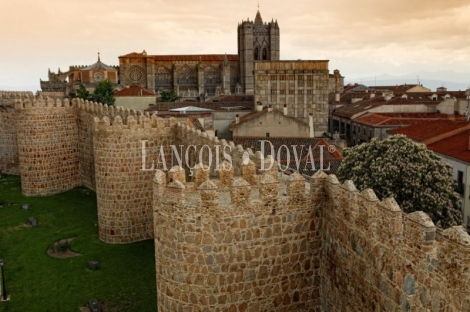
{"x": 168, "y": 96}
{"x": 103, "y": 93}
{"x": 412, "y": 174}
{"x": 83, "y": 93}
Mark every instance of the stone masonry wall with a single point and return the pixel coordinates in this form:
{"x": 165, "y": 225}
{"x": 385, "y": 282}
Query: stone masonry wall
{"x": 47, "y": 146}
{"x": 9, "y": 162}
{"x": 237, "y": 248}
{"x": 124, "y": 190}
{"x": 374, "y": 259}
{"x": 86, "y": 113}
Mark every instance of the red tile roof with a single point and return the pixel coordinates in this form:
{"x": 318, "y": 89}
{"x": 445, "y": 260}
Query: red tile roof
{"x": 134, "y": 91}
{"x": 432, "y": 131}
{"x": 390, "y": 119}
{"x": 352, "y": 109}
{"x": 456, "y": 146}
{"x": 331, "y": 156}
{"x": 255, "y": 115}
{"x": 190, "y": 57}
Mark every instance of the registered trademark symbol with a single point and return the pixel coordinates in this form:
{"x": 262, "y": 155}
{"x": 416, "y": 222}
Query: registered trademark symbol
{"x": 331, "y": 148}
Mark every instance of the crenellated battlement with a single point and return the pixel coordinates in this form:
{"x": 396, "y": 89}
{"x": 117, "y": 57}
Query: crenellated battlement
{"x": 134, "y": 120}
{"x": 231, "y": 230}
{"x": 39, "y": 103}
{"x": 403, "y": 253}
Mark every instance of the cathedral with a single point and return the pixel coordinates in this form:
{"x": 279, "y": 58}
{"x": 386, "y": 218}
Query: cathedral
{"x": 303, "y": 86}
{"x": 209, "y": 74}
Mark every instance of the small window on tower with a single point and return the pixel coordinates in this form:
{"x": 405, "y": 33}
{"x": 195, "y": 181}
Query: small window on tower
{"x": 267, "y": 134}
{"x": 256, "y": 54}
{"x": 265, "y": 54}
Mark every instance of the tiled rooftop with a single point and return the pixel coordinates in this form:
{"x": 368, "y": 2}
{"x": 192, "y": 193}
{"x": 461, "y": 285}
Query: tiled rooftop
{"x": 331, "y": 155}
{"x": 456, "y": 146}
{"x": 134, "y": 91}
{"x": 431, "y": 131}
{"x": 190, "y": 57}
{"x": 390, "y": 119}
{"x": 254, "y": 115}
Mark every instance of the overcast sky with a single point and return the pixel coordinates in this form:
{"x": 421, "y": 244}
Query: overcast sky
{"x": 361, "y": 38}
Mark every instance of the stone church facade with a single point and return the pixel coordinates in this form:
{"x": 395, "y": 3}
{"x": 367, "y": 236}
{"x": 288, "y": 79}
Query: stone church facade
{"x": 194, "y": 76}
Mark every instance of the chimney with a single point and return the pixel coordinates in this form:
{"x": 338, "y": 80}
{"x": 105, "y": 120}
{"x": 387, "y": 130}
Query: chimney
{"x": 237, "y": 118}
{"x": 270, "y": 108}
{"x": 310, "y": 124}
{"x": 337, "y": 88}
{"x": 259, "y": 107}
{"x": 285, "y": 109}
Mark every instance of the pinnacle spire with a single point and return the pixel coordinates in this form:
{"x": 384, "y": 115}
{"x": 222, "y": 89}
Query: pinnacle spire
{"x": 99, "y": 57}
{"x": 258, "y": 19}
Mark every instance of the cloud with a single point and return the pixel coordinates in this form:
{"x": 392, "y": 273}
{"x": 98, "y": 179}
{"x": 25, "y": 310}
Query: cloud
{"x": 364, "y": 36}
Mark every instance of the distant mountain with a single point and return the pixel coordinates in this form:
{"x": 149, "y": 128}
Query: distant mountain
{"x": 453, "y": 81}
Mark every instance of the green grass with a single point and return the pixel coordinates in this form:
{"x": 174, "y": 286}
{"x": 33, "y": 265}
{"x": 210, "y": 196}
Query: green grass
{"x": 37, "y": 282}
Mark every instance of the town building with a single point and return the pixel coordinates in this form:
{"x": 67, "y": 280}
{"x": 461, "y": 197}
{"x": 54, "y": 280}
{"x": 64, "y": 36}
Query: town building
{"x": 135, "y": 97}
{"x": 450, "y": 140}
{"x": 64, "y": 84}
{"x": 362, "y": 114}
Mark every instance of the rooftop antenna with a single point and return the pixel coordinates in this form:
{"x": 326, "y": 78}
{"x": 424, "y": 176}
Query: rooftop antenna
{"x": 419, "y": 83}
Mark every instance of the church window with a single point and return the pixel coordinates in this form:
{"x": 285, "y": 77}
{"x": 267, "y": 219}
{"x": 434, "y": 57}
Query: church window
{"x": 211, "y": 79}
{"x": 136, "y": 74}
{"x": 211, "y": 76}
{"x": 186, "y": 76}
{"x": 233, "y": 79}
{"x": 256, "y": 56}
{"x": 163, "y": 79}
{"x": 265, "y": 54}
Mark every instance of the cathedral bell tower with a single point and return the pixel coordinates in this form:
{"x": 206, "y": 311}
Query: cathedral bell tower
{"x": 257, "y": 41}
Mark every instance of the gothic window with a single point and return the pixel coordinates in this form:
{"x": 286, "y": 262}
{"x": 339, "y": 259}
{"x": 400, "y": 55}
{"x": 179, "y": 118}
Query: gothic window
{"x": 186, "y": 76}
{"x": 265, "y": 54}
{"x": 233, "y": 79}
{"x": 211, "y": 76}
{"x": 163, "y": 79}
{"x": 136, "y": 74}
{"x": 256, "y": 56}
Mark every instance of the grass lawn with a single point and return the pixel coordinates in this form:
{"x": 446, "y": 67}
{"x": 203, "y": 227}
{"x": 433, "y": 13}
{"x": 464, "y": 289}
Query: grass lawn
{"x": 37, "y": 282}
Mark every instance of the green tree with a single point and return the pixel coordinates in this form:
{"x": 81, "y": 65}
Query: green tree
{"x": 104, "y": 93}
{"x": 168, "y": 96}
{"x": 83, "y": 93}
{"x": 408, "y": 171}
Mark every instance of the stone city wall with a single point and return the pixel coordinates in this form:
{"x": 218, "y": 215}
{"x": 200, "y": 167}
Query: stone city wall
{"x": 123, "y": 188}
{"x": 47, "y": 137}
{"x": 9, "y": 162}
{"x": 376, "y": 259}
{"x": 226, "y": 245}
